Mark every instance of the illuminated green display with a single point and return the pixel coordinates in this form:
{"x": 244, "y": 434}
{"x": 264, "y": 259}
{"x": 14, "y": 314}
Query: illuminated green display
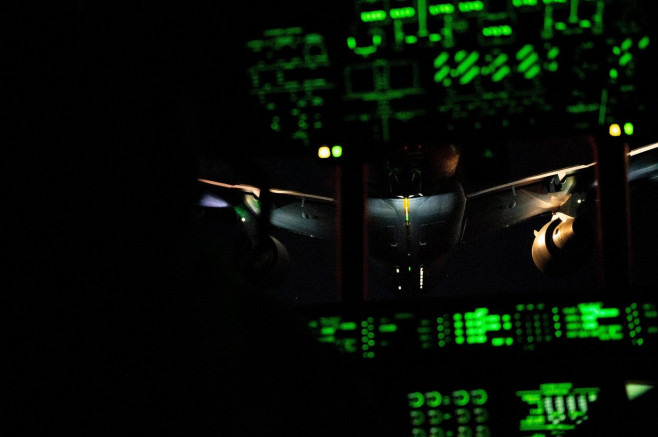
{"x": 590, "y": 320}
{"x": 523, "y": 326}
{"x": 480, "y": 327}
{"x": 288, "y": 78}
{"x": 556, "y": 408}
{"x": 368, "y": 337}
{"x": 454, "y": 66}
{"x": 538, "y": 409}
{"x": 328, "y": 327}
{"x": 512, "y": 65}
{"x": 452, "y": 412}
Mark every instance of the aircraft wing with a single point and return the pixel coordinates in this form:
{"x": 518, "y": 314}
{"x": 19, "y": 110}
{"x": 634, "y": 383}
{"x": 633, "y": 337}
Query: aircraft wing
{"x": 302, "y": 213}
{"x": 310, "y": 215}
{"x": 562, "y": 190}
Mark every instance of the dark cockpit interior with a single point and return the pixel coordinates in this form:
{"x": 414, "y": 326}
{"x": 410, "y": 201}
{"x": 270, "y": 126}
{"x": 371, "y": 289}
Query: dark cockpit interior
{"x": 427, "y": 218}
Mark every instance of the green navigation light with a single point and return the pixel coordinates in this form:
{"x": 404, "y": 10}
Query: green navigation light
{"x": 242, "y": 213}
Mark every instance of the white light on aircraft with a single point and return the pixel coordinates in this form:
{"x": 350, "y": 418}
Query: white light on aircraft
{"x": 210, "y": 201}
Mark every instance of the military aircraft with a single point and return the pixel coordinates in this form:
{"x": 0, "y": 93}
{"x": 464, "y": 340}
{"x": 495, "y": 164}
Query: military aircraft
{"x": 418, "y": 212}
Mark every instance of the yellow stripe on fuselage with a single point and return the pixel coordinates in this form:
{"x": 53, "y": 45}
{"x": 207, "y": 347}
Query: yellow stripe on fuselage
{"x": 405, "y": 204}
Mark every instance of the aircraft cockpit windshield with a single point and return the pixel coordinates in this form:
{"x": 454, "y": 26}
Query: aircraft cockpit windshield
{"x": 462, "y": 195}
{"x": 463, "y": 128}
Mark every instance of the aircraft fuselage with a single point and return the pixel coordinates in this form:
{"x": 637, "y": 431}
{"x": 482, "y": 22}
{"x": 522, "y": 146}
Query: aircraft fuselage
{"x": 414, "y": 232}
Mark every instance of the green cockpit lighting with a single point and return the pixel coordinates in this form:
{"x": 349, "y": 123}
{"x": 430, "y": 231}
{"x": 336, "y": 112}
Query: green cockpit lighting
{"x": 406, "y": 67}
{"x": 556, "y": 407}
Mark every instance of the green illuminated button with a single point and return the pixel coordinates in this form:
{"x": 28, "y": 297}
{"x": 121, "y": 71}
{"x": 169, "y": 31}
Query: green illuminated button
{"x": 435, "y": 417}
{"x": 463, "y": 416}
{"x": 441, "y": 9}
{"x": 479, "y": 397}
{"x": 416, "y": 399}
{"x": 407, "y": 12}
{"x": 371, "y": 16}
{"x": 347, "y": 326}
{"x": 470, "y": 6}
{"x": 433, "y": 398}
{"x": 417, "y": 417}
{"x": 461, "y": 397}
{"x": 556, "y": 389}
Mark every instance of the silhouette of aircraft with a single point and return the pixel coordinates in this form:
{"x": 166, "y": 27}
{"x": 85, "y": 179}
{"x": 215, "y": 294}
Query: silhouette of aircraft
{"x": 417, "y": 214}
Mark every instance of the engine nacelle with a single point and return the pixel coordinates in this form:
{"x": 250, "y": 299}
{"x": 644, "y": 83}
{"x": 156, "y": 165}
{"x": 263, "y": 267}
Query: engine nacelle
{"x": 561, "y": 245}
{"x": 268, "y": 263}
